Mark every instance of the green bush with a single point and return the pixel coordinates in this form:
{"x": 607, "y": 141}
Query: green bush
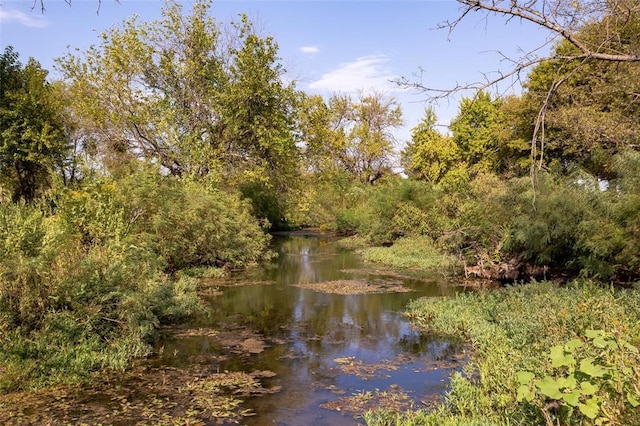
{"x": 609, "y": 237}
{"x": 189, "y": 224}
{"x": 547, "y": 232}
{"x": 320, "y": 198}
{"x": 71, "y": 304}
{"x": 83, "y": 275}
{"x": 393, "y": 208}
{"x": 348, "y": 222}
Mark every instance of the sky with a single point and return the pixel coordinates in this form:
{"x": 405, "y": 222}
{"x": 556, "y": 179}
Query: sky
{"x": 330, "y": 46}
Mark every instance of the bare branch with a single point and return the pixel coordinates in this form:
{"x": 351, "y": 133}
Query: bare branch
{"x": 548, "y": 20}
{"x": 42, "y": 8}
{"x": 436, "y": 94}
{"x": 557, "y": 16}
{"x": 569, "y": 20}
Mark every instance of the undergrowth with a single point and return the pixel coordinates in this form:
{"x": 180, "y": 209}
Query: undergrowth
{"x": 87, "y": 275}
{"x": 513, "y": 330}
{"x": 416, "y": 252}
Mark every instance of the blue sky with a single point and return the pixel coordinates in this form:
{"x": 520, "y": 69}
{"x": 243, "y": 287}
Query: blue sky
{"x": 326, "y": 46}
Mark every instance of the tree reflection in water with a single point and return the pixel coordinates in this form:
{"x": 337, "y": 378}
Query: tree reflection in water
{"x": 321, "y": 346}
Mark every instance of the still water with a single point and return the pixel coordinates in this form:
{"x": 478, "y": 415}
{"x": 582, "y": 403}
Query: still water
{"x": 323, "y": 348}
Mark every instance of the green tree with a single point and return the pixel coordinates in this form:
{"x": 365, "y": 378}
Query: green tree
{"x": 354, "y": 136}
{"x": 587, "y": 37}
{"x": 513, "y": 130}
{"x": 33, "y": 140}
{"x": 320, "y": 133}
{"x": 189, "y": 93}
{"x": 593, "y": 115}
{"x": 474, "y": 131}
{"x": 430, "y": 155}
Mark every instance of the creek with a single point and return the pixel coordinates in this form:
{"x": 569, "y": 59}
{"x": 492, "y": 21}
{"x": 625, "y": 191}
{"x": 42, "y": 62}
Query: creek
{"x": 332, "y": 354}
{"x": 301, "y": 341}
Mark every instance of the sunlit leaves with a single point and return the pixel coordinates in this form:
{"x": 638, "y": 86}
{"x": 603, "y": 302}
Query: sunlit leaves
{"x": 474, "y": 131}
{"x": 33, "y": 136}
{"x": 430, "y": 155}
{"x": 593, "y": 114}
{"x": 598, "y": 386}
{"x": 350, "y": 135}
{"x": 189, "y": 93}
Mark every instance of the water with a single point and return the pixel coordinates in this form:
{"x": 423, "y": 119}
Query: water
{"x": 322, "y": 347}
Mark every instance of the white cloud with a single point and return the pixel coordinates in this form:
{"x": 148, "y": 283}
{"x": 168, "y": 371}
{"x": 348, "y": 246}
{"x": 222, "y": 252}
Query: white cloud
{"x": 31, "y": 21}
{"x": 366, "y": 72}
{"x": 310, "y": 49}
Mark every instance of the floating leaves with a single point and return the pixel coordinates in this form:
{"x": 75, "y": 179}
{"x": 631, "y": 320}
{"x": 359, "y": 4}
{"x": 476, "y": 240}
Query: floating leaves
{"x": 347, "y": 287}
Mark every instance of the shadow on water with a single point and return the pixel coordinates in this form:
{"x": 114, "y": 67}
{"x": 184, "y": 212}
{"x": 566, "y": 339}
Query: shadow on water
{"x": 329, "y": 352}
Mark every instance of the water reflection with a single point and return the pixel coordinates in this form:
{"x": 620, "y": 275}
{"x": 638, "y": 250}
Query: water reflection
{"x": 305, "y": 332}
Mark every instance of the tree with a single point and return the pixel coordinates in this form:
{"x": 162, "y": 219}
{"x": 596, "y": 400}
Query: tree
{"x": 595, "y": 31}
{"x": 513, "y": 129}
{"x": 475, "y": 132}
{"x": 591, "y": 117}
{"x": 33, "y": 140}
{"x": 430, "y": 155}
{"x": 488, "y": 136}
{"x": 188, "y": 93}
{"x": 354, "y": 136}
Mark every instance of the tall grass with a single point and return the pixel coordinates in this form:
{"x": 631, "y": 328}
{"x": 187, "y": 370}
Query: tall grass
{"x": 417, "y": 252}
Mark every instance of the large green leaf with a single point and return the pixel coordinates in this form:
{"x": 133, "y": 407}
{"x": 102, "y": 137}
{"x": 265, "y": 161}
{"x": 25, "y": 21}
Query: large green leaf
{"x": 588, "y": 388}
{"x": 590, "y": 408}
{"x": 628, "y": 346}
{"x": 525, "y": 394}
{"x": 572, "y": 398}
{"x": 573, "y": 344}
{"x": 588, "y": 367}
{"x": 524, "y": 377}
{"x": 567, "y": 382}
{"x": 559, "y": 357}
{"x": 592, "y": 334}
{"x": 549, "y": 387}
{"x": 600, "y": 342}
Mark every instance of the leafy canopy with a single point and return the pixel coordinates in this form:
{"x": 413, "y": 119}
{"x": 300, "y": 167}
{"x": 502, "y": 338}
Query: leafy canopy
{"x": 33, "y": 141}
{"x": 192, "y": 94}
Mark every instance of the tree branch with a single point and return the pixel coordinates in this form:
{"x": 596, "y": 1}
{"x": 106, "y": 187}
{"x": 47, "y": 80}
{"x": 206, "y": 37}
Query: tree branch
{"x": 525, "y": 11}
{"x": 570, "y": 20}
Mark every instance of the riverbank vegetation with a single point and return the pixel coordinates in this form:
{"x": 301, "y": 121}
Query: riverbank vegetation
{"x": 172, "y": 147}
{"x": 539, "y": 354}
{"x": 87, "y": 272}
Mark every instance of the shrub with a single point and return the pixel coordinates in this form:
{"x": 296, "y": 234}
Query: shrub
{"x": 190, "y": 224}
{"x": 83, "y": 277}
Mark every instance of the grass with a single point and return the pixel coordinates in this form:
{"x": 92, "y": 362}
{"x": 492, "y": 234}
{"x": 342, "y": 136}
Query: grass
{"x": 421, "y": 418}
{"x": 412, "y": 253}
{"x": 512, "y": 330}
{"x": 353, "y": 242}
